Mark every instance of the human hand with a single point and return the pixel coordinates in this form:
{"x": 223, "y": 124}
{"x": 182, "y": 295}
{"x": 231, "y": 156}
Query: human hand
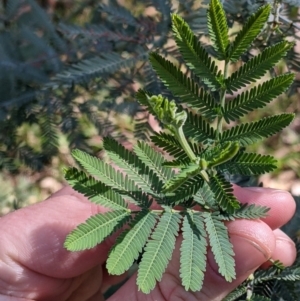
{"x": 35, "y": 266}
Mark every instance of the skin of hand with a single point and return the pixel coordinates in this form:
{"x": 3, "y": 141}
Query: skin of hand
{"x": 35, "y": 266}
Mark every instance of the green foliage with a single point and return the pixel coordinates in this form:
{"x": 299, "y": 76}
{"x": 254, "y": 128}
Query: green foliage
{"x": 131, "y": 243}
{"x": 250, "y": 30}
{"x": 96, "y": 229}
{"x": 224, "y": 193}
{"x": 221, "y": 247}
{"x": 158, "y": 251}
{"x": 183, "y": 86}
{"x": 247, "y": 212}
{"x": 59, "y": 77}
{"x": 274, "y": 283}
{"x": 192, "y": 266}
{"x": 218, "y": 29}
{"x": 257, "y": 66}
{"x": 195, "y": 54}
{"x": 155, "y": 161}
{"x": 249, "y": 133}
{"x": 200, "y": 156}
{"x": 257, "y": 97}
{"x": 249, "y": 164}
{"x": 97, "y": 192}
{"x": 53, "y": 66}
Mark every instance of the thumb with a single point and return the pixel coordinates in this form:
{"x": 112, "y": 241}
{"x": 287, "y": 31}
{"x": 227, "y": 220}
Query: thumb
{"x": 40, "y": 231}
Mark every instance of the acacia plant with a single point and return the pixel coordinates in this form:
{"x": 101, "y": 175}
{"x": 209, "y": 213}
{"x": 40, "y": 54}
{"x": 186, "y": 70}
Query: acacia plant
{"x": 188, "y": 165}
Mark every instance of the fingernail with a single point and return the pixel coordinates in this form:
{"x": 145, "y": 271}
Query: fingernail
{"x": 249, "y": 255}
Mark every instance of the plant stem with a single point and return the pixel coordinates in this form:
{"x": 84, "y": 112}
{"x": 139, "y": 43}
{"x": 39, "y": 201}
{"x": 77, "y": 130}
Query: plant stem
{"x": 183, "y": 142}
{"x": 223, "y": 98}
{"x": 160, "y": 211}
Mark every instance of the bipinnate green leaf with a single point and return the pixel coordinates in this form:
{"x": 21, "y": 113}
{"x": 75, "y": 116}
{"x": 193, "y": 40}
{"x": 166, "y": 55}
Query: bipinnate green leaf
{"x": 96, "y": 229}
{"x": 272, "y": 273}
{"x": 198, "y": 129}
{"x": 223, "y": 192}
{"x": 98, "y": 169}
{"x": 182, "y": 176}
{"x": 249, "y": 32}
{"x": 279, "y": 265}
{"x": 218, "y": 28}
{"x": 197, "y": 148}
{"x": 183, "y": 86}
{"x": 249, "y": 133}
{"x": 96, "y": 191}
{"x": 186, "y": 190}
{"x": 247, "y": 212}
{"x": 256, "y": 97}
{"x": 120, "y": 155}
{"x": 153, "y": 160}
{"x": 135, "y": 169}
{"x": 170, "y": 144}
{"x": 249, "y": 164}
{"x": 257, "y": 66}
{"x": 130, "y": 243}
{"x": 205, "y": 197}
{"x": 220, "y": 245}
{"x": 195, "y": 55}
{"x": 107, "y": 174}
{"x": 158, "y": 251}
{"x": 193, "y": 251}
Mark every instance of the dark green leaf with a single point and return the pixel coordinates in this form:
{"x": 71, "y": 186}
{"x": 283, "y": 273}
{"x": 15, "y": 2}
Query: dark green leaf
{"x": 195, "y": 56}
{"x": 223, "y": 192}
{"x": 257, "y": 66}
{"x": 249, "y": 133}
{"x": 256, "y": 97}
{"x": 249, "y": 164}
{"x": 247, "y": 212}
{"x": 183, "y": 86}
{"x": 218, "y": 28}
{"x": 249, "y": 32}
{"x": 198, "y": 129}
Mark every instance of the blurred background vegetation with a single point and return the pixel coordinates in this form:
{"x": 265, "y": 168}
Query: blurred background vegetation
{"x": 69, "y": 71}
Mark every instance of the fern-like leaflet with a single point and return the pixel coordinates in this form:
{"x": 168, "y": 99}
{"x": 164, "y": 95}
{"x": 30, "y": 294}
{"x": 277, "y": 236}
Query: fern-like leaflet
{"x": 156, "y": 190}
{"x": 221, "y": 247}
{"x": 193, "y": 266}
{"x": 158, "y": 251}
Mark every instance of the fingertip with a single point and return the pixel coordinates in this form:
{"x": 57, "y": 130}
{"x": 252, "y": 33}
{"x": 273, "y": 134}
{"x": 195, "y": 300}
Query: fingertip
{"x": 285, "y": 249}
